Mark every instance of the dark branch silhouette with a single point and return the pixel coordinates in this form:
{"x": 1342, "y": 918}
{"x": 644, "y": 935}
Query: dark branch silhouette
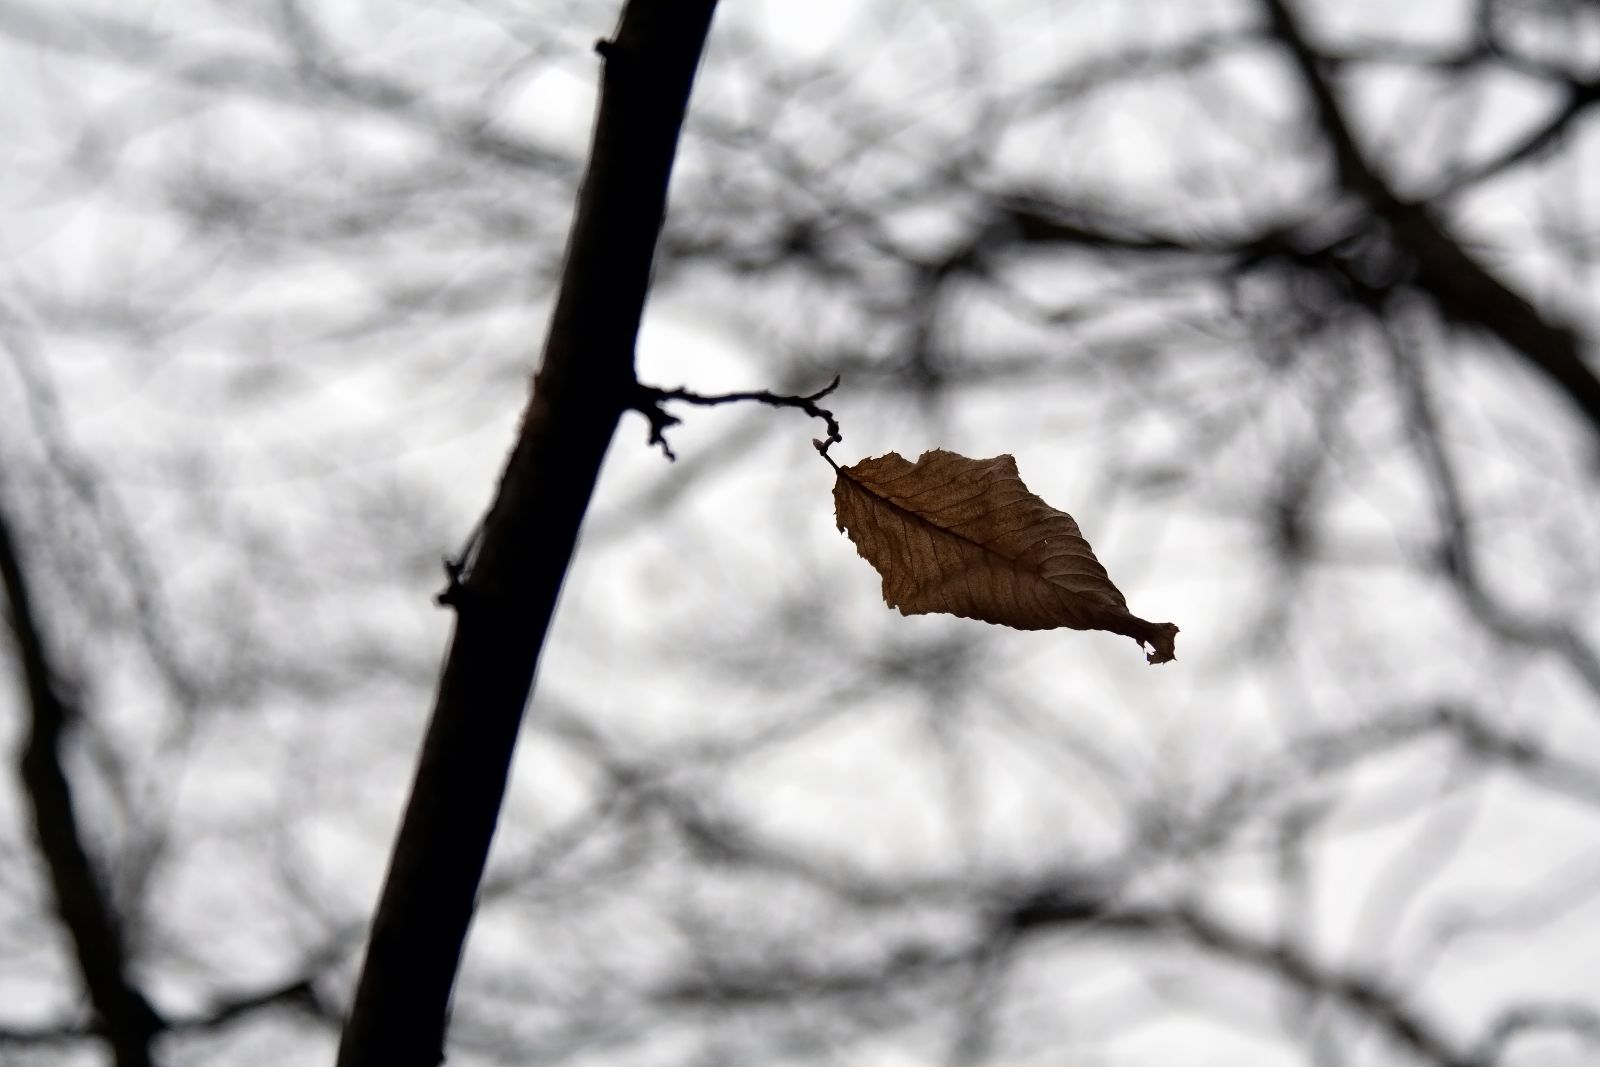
{"x": 585, "y": 382}
{"x": 650, "y": 399}
{"x": 125, "y": 1016}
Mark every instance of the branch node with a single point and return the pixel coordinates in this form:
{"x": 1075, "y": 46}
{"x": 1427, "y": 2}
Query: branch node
{"x": 647, "y": 402}
{"x": 455, "y": 592}
{"x": 454, "y": 588}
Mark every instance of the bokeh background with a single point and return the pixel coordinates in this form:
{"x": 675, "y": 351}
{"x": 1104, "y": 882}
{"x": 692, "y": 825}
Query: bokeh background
{"x": 1291, "y": 303}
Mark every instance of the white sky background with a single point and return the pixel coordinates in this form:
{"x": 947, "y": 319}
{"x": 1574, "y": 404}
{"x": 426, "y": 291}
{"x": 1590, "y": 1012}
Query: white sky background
{"x": 231, "y": 389}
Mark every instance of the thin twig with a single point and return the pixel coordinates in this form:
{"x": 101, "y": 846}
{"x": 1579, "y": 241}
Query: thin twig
{"x": 649, "y": 400}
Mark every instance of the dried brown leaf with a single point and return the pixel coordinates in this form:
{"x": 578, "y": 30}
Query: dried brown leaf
{"x": 964, "y": 536}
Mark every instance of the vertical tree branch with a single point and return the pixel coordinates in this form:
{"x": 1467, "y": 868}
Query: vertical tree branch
{"x": 123, "y": 1014}
{"x": 504, "y": 604}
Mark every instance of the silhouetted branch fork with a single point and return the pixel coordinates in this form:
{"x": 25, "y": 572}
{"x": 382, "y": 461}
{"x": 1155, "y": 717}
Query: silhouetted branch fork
{"x": 649, "y": 401}
{"x": 298, "y": 995}
{"x": 1465, "y": 290}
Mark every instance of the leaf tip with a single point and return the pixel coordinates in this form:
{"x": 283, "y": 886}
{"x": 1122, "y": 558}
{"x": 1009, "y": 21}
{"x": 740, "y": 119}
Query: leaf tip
{"x": 1160, "y": 637}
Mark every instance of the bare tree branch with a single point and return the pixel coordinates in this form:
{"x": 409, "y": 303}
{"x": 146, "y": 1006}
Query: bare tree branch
{"x": 125, "y": 1016}
{"x": 508, "y": 598}
{"x": 1465, "y": 290}
{"x": 1385, "y": 1008}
